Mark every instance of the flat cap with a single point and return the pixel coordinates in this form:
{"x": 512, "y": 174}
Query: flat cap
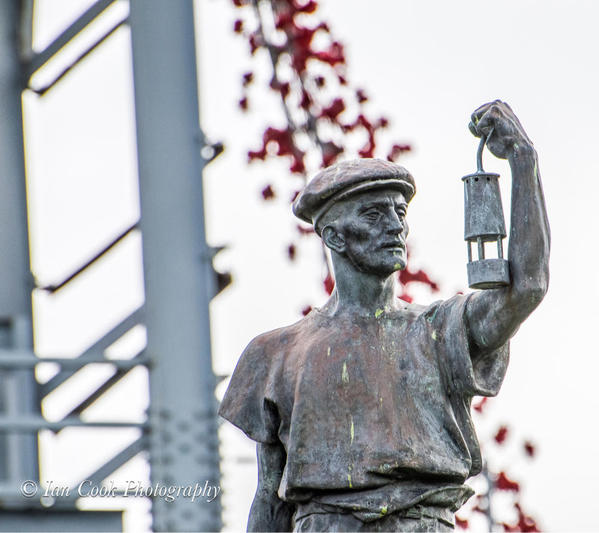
{"x": 344, "y": 179}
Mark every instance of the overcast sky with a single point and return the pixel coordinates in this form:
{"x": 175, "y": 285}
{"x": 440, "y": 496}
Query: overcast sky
{"x": 426, "y": 65}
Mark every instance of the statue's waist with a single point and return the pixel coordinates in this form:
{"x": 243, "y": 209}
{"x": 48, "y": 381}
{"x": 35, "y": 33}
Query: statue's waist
{"x": 411, "y": 500}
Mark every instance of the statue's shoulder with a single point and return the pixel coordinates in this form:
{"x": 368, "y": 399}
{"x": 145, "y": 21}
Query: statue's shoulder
{"x": 411, "y": 311}
{"x": 273, "y": 341}
{"x": 439, "y": 309}
{"x": 430, "y": 311}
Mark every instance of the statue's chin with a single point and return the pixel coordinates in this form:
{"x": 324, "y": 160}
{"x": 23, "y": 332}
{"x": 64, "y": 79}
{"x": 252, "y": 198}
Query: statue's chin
{"x": 380, "y": 265}
{"x": 400, "y": 265}
{"x": 387, "y": 268}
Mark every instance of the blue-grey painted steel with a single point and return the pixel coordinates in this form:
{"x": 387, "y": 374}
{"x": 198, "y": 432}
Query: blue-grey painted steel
{"x": 41, "y": 91}
{"x": 62, "y": 521}
{"x": 177, "y": 261}
{"x": 95, "y": 351}
{"x": 56, "y": 287}
{"x": 18, "y": 453}
{"x": 23, "y": 359}
{"x": 77, "y": 26}
{"x": 35, "y": 423}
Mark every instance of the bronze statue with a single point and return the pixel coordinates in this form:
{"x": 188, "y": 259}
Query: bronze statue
{"x": 361, "y": 410}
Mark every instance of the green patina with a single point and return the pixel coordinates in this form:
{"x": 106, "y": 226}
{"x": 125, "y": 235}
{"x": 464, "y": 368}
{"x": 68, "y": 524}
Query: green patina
{"x": 431, "y": 318}
{"x": 378, "y": 313}
{"x": 384, "y": 510}
{"x": 345, "y": 373}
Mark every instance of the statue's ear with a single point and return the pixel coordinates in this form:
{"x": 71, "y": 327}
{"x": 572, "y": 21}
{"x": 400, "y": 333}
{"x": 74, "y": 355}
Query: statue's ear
{"x": 333, "y": 239}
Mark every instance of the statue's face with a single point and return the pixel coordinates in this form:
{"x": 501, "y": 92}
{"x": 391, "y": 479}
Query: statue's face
{"x": 373, "y": 228}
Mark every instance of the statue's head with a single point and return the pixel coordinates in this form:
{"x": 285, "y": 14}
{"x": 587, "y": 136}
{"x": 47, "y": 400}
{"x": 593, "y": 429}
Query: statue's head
{"x": 358, "y": 208}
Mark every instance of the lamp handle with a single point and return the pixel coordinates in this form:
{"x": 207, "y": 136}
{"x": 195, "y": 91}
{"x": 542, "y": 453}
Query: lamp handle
{"x": 479, "y": 152}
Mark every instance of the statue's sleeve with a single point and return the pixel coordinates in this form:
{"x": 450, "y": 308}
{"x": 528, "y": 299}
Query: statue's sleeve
{"x": 470, "y": 373}
{"x": 466, "y": 373}
{"x": 248, "y": 402}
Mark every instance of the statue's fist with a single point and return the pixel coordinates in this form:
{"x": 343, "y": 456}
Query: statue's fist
{"x": 505, "y": 135}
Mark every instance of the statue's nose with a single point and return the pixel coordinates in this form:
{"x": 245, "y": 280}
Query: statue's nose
{"x": 395, "y": 223}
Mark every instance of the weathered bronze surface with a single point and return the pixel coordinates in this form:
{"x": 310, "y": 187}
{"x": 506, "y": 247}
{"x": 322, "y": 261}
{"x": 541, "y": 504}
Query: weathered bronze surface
{"x": 361, "y": 410}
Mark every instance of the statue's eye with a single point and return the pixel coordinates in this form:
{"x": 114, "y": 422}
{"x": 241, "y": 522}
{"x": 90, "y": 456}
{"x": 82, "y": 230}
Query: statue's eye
{"x": 401, "y": 213}
{"x": 372, "y": 215}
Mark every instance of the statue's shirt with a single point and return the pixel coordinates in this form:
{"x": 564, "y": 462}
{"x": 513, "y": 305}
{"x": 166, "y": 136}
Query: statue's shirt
{"x": 366, "y": 403}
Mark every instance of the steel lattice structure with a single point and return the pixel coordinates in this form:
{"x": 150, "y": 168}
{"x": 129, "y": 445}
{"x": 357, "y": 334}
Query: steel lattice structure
{"x": 180, "y": 430}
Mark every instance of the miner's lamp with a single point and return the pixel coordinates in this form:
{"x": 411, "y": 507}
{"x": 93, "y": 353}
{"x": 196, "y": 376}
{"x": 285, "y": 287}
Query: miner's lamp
{"x": 484, "y": 223}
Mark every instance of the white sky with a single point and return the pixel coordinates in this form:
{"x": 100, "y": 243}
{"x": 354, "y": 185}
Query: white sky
{"x": 426, "y": 65}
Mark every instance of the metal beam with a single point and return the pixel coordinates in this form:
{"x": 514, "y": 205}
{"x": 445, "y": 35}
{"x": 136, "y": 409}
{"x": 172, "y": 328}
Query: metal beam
{"x": 25, "y": 46}
{"x": 95, "y": 350}
{"x": 99, "y": 392}
{"x": 104, "y": 387}
{"x": 129, "y": 452}
{"x": 178, "y": 271}
{"x": 39, "y": 60}
{"x": 18, "y": 453}
{"x": 16, "y": 361}
{"x": 55, "y": 287}
{"x": 41, "y": 91}
{"x": 35, "y": 423}
{"x": 60, "y": 520}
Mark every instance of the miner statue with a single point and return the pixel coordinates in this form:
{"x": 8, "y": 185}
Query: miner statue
{"x": 361, "y": 410}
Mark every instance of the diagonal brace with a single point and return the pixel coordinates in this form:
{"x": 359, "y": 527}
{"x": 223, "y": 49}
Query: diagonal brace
{"x": 95, "y": 350}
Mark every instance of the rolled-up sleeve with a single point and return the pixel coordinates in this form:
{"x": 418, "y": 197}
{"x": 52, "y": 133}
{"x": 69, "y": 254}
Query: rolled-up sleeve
{"x": 466, "y": 374}
{"x": 479, "y": 374}
{"x": 246, "y": 403}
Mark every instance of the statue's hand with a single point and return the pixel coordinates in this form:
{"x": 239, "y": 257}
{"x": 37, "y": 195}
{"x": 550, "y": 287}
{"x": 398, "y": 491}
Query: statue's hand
{"x": 507, "y": 136}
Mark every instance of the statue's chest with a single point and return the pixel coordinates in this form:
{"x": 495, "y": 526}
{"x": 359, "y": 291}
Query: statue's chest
{"x": 367, "y": 366}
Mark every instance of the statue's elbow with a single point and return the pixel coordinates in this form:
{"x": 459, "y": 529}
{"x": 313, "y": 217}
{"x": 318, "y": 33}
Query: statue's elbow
{"x": 531, "y": 293}
{"x": 536, "y": 295}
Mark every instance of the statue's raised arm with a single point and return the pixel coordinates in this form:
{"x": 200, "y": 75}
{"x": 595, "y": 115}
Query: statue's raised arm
{"x": 495, "y": 315}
